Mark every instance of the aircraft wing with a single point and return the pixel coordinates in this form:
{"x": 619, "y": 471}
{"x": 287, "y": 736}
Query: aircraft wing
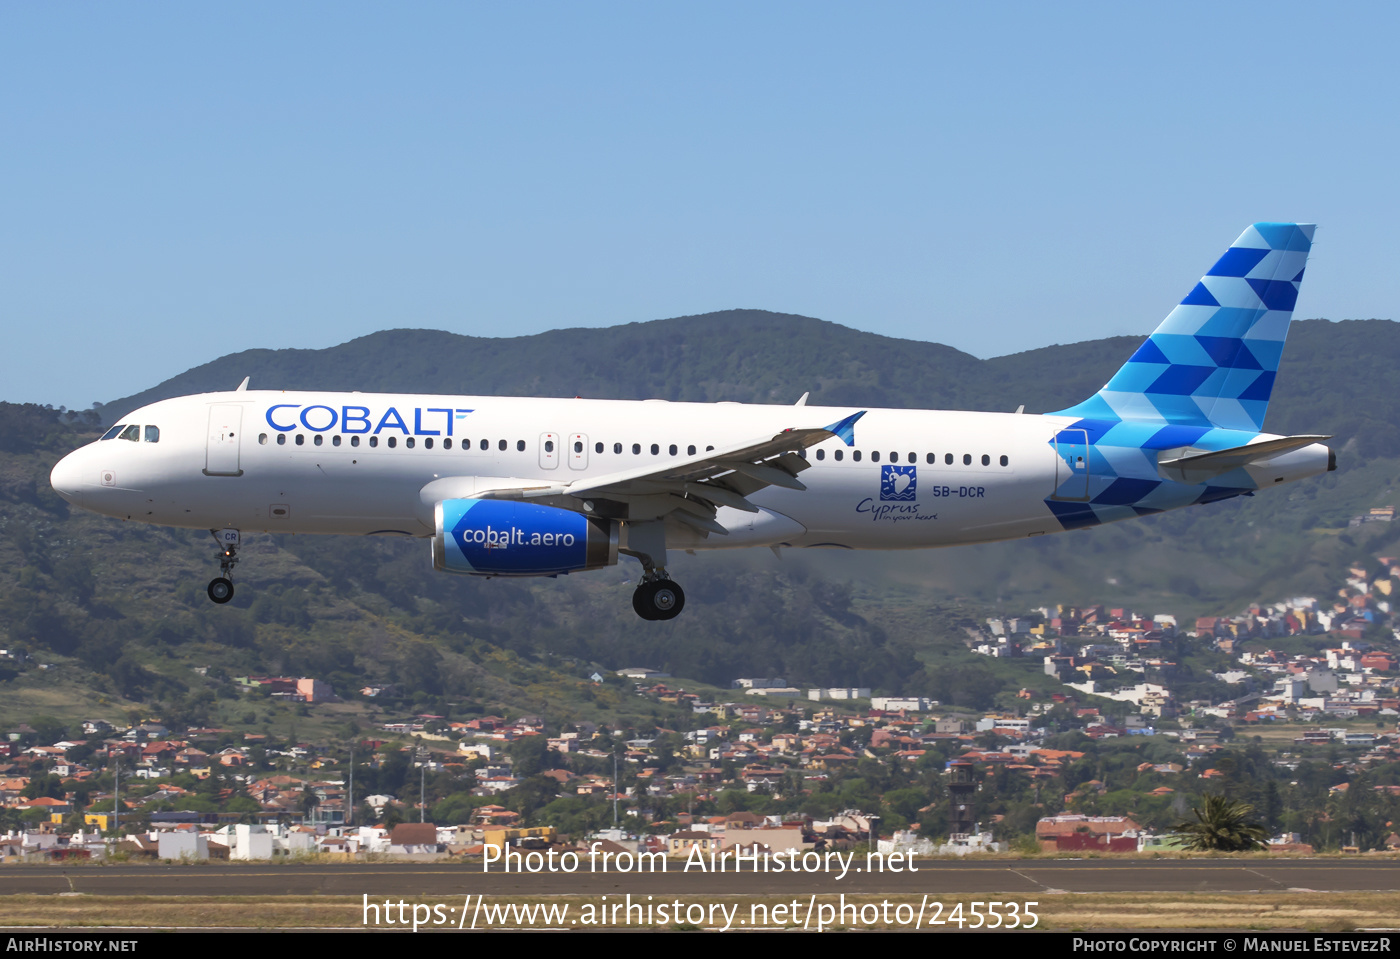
{"x": 691, "y": 488}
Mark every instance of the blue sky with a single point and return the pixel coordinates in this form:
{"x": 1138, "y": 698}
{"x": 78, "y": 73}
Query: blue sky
{"x": 186, "y": 180}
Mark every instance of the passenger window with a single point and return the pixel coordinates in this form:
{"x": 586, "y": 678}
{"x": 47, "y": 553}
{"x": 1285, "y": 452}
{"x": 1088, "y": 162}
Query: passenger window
{"x": 447, "y": 443}
{"x": 501, "y": 445}
{"x": 428, "y": 443}
{"x": 373, "y": 442}
{"x": 153, "y": 434}
{"x": 855, "y": 455}
{"x": 354, "y": 441}
{"x": 709, "y": 449}
{"x": 874, "y": 456}
{"x": 485, "y": 444}
{"x": 335, "y": 440}
{"x": 301, "y": 440}
{"x": 655, "y": 449}
{"x": 673, "y": 449}
{"x": 839, "y": 455}
{"x": 132, "y": 433}
{"x": 948, "y": 458}
{"x": 690, "y": 451}
{"x": 617, "y": 447}
{"x": 931, "y": 458}
{"x": 281, "y": 439}
{"x": 262, "y": 439}
{"x": 1004, "y": 461}
{"x": 318, "y": 439}
{"x": 597, "y": 447}
{"x": 112, "y": 433}
{"x": 410, "y": 442}
{"x": 520, "y": 446}
{"x": 821, "y": 454}
{"x": 913, "y": 457}
{"x": 578, "y": 446}
{"x": 393, "y": 442}
{"x": 636, "y": 449}
{"x": 549, "y": 446}
{"x": 986, "y": 460}
{"x": 967, "y": 459}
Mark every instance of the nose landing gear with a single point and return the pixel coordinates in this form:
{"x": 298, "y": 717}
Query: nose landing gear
{"x": 221, "y": 587}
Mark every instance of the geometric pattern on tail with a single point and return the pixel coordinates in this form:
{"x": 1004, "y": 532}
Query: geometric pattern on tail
{"x": 1213, "y": 360}
{"x": 1203, "y": 379}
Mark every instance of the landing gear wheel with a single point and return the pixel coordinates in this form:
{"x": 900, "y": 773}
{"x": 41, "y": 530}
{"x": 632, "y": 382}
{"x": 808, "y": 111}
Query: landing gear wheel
{"x": 667, "y": 599}
{"x": 658, "y": 599}
{"x": 220, "y": 590}
{"x": 641, "y": 602}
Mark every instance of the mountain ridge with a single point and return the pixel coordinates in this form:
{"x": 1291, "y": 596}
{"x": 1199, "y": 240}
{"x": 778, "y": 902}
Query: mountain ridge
{"x": 1336, "y": 377}
{"x": 585, "y": 357}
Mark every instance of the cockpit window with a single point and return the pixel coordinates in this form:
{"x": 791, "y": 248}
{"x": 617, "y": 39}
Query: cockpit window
{"x": 153, "y": 434}
{"x": 112, "y": 433}
{"x": 132, "y": 432}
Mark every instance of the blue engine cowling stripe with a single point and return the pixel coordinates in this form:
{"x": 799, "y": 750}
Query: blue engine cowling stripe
{"x": 508, "y": 538}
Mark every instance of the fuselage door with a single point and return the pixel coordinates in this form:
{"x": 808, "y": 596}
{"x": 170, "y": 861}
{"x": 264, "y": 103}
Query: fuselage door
{"x": 221, "y": 453}
{"x": 549, "y": 451}
{"x": 1072, "y": 467}
{"x": 578, "y": 451}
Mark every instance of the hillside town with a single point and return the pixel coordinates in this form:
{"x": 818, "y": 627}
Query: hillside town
{"x": 1124, "y": 721}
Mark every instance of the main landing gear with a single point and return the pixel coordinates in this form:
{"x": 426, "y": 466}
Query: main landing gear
{"x": 221, "y": 587}
{"x": 657, "y": 597}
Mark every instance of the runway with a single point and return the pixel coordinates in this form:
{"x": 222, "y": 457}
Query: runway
{"x": 445, "y": 880}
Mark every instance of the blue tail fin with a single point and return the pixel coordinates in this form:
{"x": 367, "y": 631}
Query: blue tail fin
{"x": 1212, "y": 361}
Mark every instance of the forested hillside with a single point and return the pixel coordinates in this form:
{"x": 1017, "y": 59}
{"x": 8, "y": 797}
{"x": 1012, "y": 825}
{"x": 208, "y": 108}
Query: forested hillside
{"x": 122, "y": 607}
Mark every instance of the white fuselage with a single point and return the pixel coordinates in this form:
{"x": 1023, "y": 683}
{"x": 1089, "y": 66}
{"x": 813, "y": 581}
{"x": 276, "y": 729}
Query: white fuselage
{"x": 358, "y": 463}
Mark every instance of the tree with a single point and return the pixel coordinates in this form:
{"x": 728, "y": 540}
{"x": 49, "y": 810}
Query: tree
{"x": 530, "y": 756}
{"x": 43, "y": 785}
{"x": 1222, "y": 825}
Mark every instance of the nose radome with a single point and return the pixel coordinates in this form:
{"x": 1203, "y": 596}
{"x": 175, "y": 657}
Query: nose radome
{"x": 66, "y": 476}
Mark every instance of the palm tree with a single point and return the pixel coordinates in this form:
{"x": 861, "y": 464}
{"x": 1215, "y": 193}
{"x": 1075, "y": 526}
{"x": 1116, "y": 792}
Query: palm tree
{"x": 1222, "y": 825}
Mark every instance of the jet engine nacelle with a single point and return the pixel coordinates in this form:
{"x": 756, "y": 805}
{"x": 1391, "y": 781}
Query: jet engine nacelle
{"x": 490, "y": 537}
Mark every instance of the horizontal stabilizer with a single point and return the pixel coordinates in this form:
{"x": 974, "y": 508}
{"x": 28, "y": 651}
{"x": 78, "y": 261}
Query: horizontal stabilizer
{"x": 1177, "y": 464}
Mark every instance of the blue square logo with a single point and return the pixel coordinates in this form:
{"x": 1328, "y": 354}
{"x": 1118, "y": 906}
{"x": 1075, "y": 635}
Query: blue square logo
{"x": 898, "y": 483}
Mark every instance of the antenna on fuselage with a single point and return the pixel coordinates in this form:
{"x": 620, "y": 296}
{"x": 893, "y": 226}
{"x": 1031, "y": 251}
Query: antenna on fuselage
{"x": 1021, "y": 408}
{"x": 803, "y": 400}
{"x": 243, "y": 387}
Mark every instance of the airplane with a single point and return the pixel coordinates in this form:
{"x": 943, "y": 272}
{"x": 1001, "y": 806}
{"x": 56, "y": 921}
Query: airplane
{"x": 507, "y": 486}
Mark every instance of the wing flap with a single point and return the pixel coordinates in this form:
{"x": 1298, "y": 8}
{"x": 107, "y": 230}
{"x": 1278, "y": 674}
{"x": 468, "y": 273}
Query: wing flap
{"x": 733, "y": 471}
